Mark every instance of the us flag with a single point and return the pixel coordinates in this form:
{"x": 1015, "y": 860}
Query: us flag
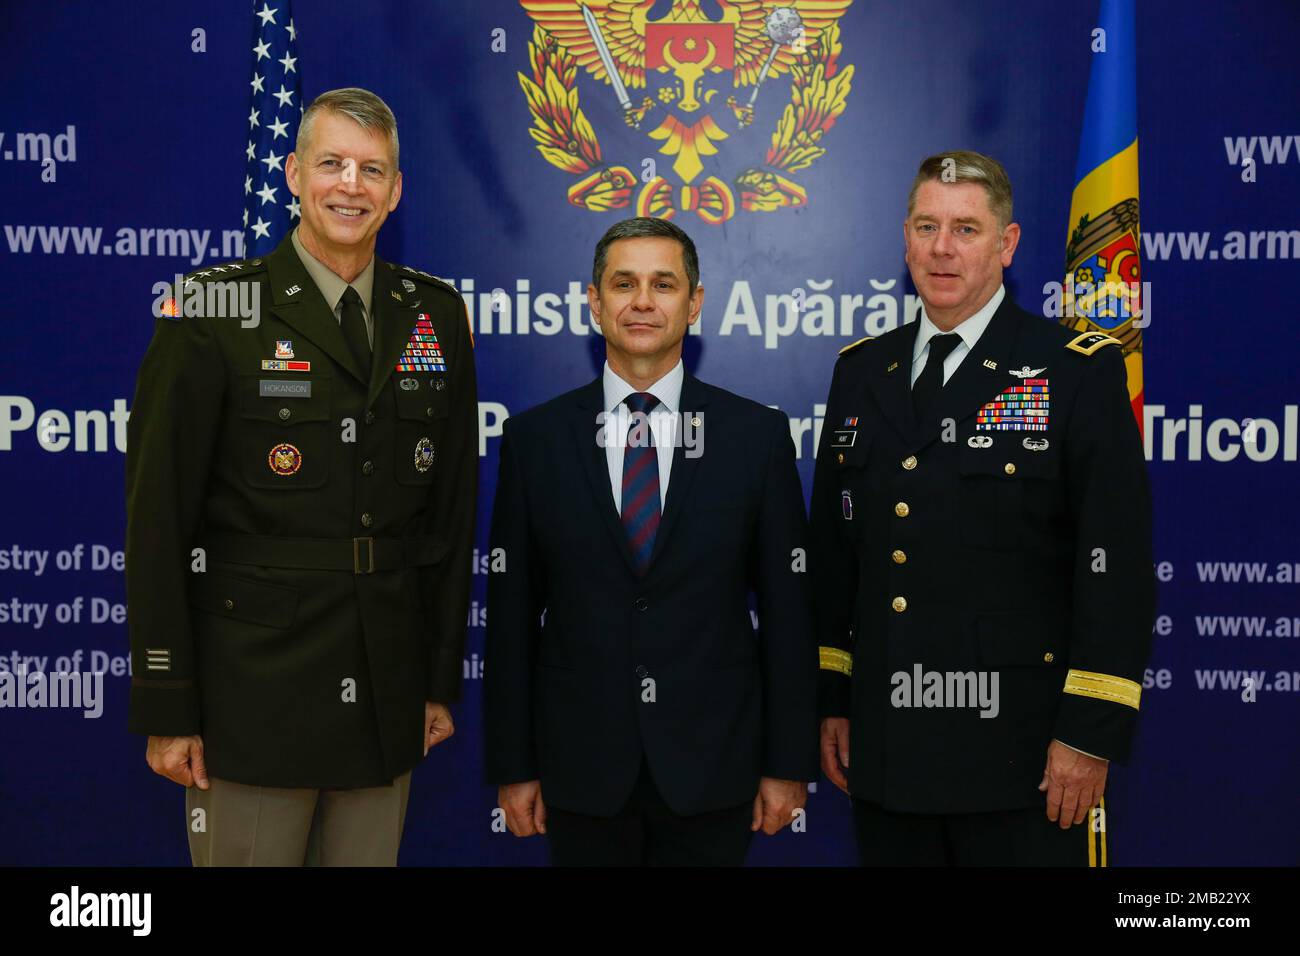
{"x": 270, "y": 210}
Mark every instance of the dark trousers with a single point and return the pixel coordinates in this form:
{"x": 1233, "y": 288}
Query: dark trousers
{"x": 1002, "y": 838}
{"x": 646, "y": 832}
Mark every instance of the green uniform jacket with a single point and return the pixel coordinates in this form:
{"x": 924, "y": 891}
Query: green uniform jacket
{"x": 967, "y": 544}
{"x": 298, "y": 541}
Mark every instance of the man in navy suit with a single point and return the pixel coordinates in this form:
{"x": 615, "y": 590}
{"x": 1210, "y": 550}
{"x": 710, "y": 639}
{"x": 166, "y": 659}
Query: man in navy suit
{"x": 634, "y": 714}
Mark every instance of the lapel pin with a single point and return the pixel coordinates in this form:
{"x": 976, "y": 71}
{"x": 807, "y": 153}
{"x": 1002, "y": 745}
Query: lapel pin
{"x": 293, "y": 290}
{"x": 989, "y": 363}
{"x": 397, "y": 295}
{"x": 892, "y": 366}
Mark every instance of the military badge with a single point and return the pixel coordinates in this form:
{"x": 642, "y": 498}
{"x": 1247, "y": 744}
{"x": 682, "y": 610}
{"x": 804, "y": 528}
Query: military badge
{"x": 846, "y": 504}
{"x": 284, "y": 459}
{"x": 1026, "y": 372}
{"x": 980, "y": 441}
{"x": 283, "y": 349}
{"x": 423, "y": 455}
{"x": 1035, "y": 444}
{"x": 409, "y": 384}
{"x": 1018, "y": 408}
{"x": 422, "y": 352}
{"x": 408, "y": 285}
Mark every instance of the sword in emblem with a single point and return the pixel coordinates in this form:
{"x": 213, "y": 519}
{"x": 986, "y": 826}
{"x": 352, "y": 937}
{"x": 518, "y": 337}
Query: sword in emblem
{"x": 611, "y": 70}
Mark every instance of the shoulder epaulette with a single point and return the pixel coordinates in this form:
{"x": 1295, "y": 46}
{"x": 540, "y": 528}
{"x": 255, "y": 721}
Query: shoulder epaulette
{"x": 227, "y": 270}
{"x": 1088, "y": 342}
{"x": 428, "y": 277}
{"x": 852, "y": 345}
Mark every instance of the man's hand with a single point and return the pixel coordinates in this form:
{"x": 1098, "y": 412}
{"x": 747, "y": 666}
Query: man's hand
{"x": 437, "y": 725}
{"x": 776, "y": 803}
{"x": 835, "y": 750}
{"x": 1074, "y": 783}
{"x": 179, "y": 759}
{"x": 525, "y": 811}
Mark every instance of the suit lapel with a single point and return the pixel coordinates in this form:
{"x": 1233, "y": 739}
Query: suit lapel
{"x": 590, "y": 403}
{"x": 983, "y": 373}
{"x": 693, "y": 402}
{"x": 394, "y": 317}
{"x": 891, "y": 385}
{"x": 296, "y": 300}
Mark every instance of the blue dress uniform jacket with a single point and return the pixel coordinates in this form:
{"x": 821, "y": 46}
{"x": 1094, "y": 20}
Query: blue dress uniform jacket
{"x": 972, "y": 542}
{"x": 299, "y": 528}
{"x": 566, "y": 690}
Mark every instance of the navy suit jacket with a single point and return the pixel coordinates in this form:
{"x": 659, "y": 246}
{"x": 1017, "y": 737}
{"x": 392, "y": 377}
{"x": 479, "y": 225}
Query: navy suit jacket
{"x": 590, "y": 666}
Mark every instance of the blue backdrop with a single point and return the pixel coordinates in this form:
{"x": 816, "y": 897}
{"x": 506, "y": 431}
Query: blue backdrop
{"x": 145, "y": 132}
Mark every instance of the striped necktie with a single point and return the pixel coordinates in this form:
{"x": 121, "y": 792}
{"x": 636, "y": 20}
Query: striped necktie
{"x": 641, "y": 482}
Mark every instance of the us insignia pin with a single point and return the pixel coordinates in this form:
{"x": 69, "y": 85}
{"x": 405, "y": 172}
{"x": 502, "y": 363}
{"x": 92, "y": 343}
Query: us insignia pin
{"x": 423, "y": 455}
{"x": 397, "y": 295}
{"x": 293, "y": 290}
{"x": 892, "y": 366}
{"x": 284, "y": 459}
{"x": 989, "y": 363}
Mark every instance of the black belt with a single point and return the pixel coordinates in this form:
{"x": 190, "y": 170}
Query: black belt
{"x": 358, "y": 555}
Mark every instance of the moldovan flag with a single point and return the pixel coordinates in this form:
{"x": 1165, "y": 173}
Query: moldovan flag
{"x": 1102, "y": 253}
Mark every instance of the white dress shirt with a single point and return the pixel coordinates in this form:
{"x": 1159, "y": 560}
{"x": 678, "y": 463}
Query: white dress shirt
{"x": 664, "y": 422}
{"x": 968, "y": 332}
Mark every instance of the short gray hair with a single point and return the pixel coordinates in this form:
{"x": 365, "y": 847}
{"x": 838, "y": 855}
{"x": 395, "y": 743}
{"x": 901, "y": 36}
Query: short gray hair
{"x": 362, "y": 106}
{"x": 643, "y": 227}
{"x": 964, "y": 166}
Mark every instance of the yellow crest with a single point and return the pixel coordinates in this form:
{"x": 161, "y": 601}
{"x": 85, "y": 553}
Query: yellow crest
{"x": 687, "y": 60}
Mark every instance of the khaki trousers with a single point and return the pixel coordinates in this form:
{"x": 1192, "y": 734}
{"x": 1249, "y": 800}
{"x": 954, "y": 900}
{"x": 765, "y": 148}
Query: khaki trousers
{"x": 235, "y": 824}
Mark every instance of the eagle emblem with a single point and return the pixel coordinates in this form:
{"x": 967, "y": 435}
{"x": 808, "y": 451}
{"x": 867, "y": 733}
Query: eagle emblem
{"x": 688, "y": 61}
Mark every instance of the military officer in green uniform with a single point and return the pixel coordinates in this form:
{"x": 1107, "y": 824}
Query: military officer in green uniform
{"x": 981, "y": 558}
{"x": 300, "y": 509}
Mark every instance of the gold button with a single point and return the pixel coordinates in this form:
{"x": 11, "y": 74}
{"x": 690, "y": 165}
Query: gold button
{"x": 901, "y": 509}
{"x": 230, "y": 605}
{"x": 840, "y": 457}
{"x": 900, "y": 604}
{"x": 1009, "y": 468}
{"x": 1049, "y": 657}
{"x": 909, "y": 462}
{"x": 899, "y": 557}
